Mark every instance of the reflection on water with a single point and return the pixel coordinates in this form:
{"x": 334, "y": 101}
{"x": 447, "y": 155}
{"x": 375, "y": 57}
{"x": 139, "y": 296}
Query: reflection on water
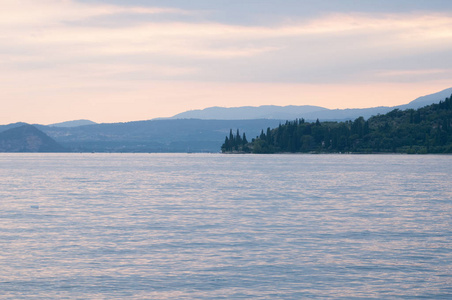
{"x": 203, "y": 226}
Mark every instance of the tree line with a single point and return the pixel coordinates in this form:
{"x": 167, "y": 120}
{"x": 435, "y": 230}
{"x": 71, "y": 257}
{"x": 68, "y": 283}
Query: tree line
{"x": 424, "y": 130}
{"x": 235, "y": 143}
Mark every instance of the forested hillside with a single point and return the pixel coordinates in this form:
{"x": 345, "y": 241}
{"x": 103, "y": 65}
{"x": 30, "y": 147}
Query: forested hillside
{"x": 425, "y": 130}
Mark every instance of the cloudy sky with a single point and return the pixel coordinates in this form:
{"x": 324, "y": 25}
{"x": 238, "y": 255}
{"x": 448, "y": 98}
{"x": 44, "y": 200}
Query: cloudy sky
{"x": 116, "y": 61}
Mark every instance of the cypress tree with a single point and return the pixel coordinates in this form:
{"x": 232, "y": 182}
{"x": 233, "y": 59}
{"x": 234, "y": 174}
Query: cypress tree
{"x": 225, "y": 147}
{"x": 269, "y": 137}
{"x": 244, "y": 140}
{"x": 238, "y": 139}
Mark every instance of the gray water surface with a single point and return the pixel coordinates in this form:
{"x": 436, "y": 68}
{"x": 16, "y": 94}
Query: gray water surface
{"x": 211, "y": 226}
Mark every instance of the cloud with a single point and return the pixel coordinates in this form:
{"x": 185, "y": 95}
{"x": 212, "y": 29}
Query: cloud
{"x": 413, "y": 75}
{"x": 48, "y": 12}
{"x": 58, "y": 47}
{"x": 318, "y": 46}
{"x": 393, "y": 73}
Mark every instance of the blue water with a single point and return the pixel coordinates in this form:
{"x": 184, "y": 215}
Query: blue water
{"x": 212, "y": 226}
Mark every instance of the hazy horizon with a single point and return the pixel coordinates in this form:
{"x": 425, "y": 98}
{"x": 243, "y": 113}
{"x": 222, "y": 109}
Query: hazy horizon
{"x": 110, "y": 61}
{"x": 194, "y": 109}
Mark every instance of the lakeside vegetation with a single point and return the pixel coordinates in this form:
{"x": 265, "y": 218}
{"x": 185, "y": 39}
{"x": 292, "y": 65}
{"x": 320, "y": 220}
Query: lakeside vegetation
{"x": 424, "y": 130}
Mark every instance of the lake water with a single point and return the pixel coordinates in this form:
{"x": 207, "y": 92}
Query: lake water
{"x": 212, "y": 226}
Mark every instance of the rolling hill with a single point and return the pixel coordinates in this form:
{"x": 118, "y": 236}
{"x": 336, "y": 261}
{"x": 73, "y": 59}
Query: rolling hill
{"x": 309, "y": 113}
{"x": 27, "y": 138}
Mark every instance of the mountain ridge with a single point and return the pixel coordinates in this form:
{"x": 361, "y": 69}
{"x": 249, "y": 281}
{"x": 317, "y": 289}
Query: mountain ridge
{"x": 74, "y": 123}
{"x": 175, "y": 135}
{"x": 308, "y": 112}
{"x": 248, "y": 112}
{"x": 27, "y": 138}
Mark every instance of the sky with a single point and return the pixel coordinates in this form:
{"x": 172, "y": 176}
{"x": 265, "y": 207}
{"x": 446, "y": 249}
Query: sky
{"x": 119, "y": 61}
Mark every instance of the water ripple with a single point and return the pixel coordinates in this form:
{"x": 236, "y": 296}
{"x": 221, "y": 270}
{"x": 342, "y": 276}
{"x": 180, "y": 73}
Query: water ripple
{"x": 164, "y": 226}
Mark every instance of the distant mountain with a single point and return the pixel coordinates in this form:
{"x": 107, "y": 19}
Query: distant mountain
{"x": 27, "y": 138}
{"x": 309, "y": 113}
{"x": 187, "y": 135}
{"x": 346, "y": 114}
{"x": 74, "y": 123}
{"x": 250, "y": 112}
{"x": 196, "y": 131}
{"x": 427, "y": 100}
{"x": 12, "y": 125}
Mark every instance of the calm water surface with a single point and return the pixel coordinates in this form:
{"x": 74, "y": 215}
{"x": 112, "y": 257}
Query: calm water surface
{"x": 210, "y": 226}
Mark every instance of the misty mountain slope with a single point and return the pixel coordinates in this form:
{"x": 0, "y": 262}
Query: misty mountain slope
{"x": 346, "y": 114}
{"x": 27, "y": 138}
{"x": 185, "y": 135}
{"x": 74, "y": 123}
{"x": 249, "y": 112}
{"x": 427, "y": 100}
{"x": 309, "y": 113}
{"x": 12, "y": 125}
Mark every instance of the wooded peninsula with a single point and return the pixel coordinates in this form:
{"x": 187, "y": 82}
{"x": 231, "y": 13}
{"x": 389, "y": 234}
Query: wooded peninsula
{"x": 424, "y": 130}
